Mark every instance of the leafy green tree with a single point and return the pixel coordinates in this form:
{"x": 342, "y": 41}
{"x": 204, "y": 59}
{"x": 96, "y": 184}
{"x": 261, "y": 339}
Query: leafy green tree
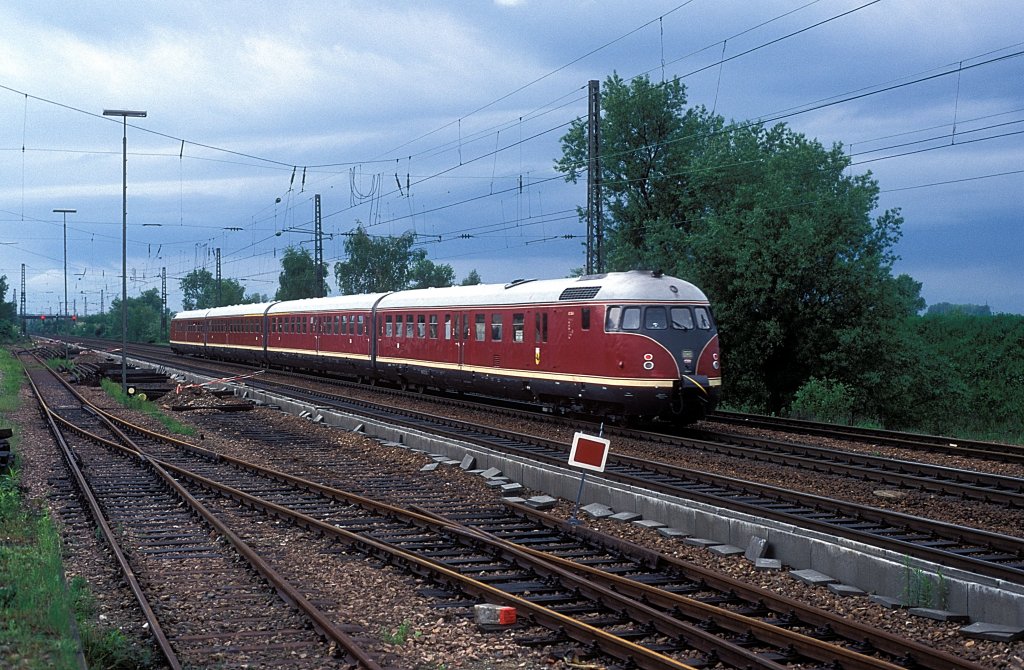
{"x": 768, "y": 223}
{"x": 969, "y": 310}
{"x": 199, "y": 290}
{"x": 300, "y": 278}
{"x": 472, "y": 279}
{"x": 143, "y": 317}
{"x": 8, "y": 313}
{"x": 424, "y": 273}
{"x": 387, "y": 264}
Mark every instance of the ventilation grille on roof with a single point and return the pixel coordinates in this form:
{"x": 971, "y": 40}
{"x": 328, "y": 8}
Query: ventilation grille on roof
{"x": 579, "y": 293}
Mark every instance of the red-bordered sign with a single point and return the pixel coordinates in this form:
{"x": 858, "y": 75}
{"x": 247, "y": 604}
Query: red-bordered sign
{"x": 589, "y": 452}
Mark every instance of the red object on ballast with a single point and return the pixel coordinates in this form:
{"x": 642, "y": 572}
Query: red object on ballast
{"x": 501, "y": 615}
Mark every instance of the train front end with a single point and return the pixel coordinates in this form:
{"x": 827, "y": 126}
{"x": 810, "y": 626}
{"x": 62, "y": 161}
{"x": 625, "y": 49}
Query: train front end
{"x": 663, "y": 329}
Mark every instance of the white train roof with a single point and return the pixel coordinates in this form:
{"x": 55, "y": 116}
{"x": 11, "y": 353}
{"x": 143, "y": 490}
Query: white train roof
{"x": 635, "y": 286}
{"x": 614, "y": 286}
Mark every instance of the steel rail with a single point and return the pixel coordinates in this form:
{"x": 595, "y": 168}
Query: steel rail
{"x": 951, "y": 445}
{"x": 108, "y": 535}
{"x": 581, "y": 632}
{"x": 286, "y": 591}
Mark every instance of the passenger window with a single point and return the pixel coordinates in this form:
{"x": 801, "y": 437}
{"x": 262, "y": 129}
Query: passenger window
{"x": 541, "y": 334}
{"x": 703, "y": 318}
{"x": 421, "y": 326}
{"x": 389, "y": 326}
{"x": 655, "y": 318}
{"x": 518, "y": 326}
{"x": 496, "y": 327}
{"x": 682, "y": 318}
{"x": 480, "y": 327}
{"x": 433, "y": 326}
{"x": 362, "y": 322}
{"x": 631, "y": 318}
{"x": 611, "y": 319}
{"x": 398, "y": 326}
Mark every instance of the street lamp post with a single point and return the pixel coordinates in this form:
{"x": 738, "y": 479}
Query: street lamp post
{"x": 124, "y": 114}
{"x": 65, "y": 212}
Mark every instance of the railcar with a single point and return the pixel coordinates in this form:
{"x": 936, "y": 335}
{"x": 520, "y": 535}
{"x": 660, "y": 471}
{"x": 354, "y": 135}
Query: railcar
{"x": 637, "y": 345}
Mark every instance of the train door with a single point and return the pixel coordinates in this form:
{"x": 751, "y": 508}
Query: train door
{"x": 461, "y": 336}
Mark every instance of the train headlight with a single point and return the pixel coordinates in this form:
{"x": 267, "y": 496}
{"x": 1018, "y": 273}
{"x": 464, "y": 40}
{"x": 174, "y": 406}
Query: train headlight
{"x": 648, "y": 365}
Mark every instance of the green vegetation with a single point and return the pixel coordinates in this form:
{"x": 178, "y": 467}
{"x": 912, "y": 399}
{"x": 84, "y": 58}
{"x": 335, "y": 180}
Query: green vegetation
{"x": 43, "y": 619}
{"x": 920, "y": 589}
{"x": 387, "y": 264}
{"x": 300, "y": 278}
{"x": 786, "y": 242}
{"x": 401, "y": 634}
{"x": 138, "y": 404}
{"x": 200, "y": 291}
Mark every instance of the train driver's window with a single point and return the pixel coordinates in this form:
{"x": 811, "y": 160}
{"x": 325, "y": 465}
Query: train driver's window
{"x": 496, "y": 327}
{"x": 611, "y": 319}
{"x": 518, "y": 321}
{"x": 631, "y": 318}
{"x": 433, "y": 326}
{"x": 655, "y": 318}
{"x": 480, "y": 327}
{"x": 389, "y": 326}
{"x": 703, "y": 318}
{"x": 682, "y": 318}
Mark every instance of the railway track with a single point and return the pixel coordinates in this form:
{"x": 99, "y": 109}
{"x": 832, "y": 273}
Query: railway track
{"x": 649, "y": 610}
{"x": 1009, "y": 453}
{"x": 956, "y": 546}
{"x": 190, "y": 586}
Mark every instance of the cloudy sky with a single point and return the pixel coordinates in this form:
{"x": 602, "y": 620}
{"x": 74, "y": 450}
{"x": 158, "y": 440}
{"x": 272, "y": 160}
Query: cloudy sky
{"x": 444, "y": 118}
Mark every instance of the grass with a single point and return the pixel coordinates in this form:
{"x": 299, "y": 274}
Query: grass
{"x": 113, "y": 389}
{"x": 44, "y": 621}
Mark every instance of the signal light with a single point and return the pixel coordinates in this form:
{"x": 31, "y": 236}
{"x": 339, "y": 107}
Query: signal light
{"x": 42, "y": 317}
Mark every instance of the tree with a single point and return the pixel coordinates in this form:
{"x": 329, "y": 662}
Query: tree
{"x": 768, "y": 223}
{"x": 424, "y": 273}
{"x": 472, "y": 279}
{"x": 967, "y": 310}
{"x": 199, "y": 291}
{"x": 142, "y": 318}
{"x": 8, "y": 313}
{"x": 300, "y": 278}
{"x": 387, "y": 264}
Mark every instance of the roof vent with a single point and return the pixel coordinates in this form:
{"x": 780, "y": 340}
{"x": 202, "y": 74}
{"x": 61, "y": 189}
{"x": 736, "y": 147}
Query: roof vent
{"x": 579, "y": 293}
{"x": 517, "y": 282}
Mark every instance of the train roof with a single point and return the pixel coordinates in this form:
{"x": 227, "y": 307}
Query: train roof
{"x": 613, "y": 286}
{"x": 634, "y": 286}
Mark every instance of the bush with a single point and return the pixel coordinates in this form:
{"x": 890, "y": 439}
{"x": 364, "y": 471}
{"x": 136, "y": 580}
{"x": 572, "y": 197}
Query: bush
{"x": 823, "y": 400}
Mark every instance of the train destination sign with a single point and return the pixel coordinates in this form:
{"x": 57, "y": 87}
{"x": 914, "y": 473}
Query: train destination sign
{"x": 589, "y": 452}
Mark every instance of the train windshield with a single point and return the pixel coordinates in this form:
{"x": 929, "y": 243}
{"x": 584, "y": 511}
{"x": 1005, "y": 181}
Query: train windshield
{"x": 656, "y": 317}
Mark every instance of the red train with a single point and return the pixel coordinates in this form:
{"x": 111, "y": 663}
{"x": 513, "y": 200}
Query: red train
{"x": 637, "y": 345}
